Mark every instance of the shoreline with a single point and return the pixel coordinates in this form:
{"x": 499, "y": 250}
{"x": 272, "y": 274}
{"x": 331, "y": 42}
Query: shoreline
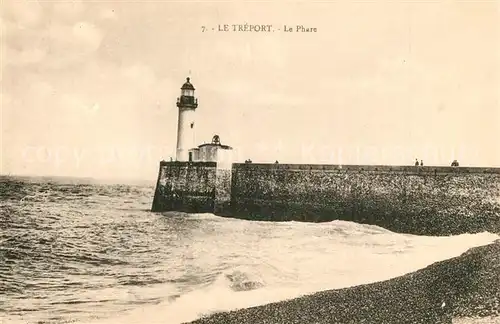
{"x": 462, "y": 287}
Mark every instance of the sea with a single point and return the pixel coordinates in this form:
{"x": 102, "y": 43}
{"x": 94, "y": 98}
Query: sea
{"x": 82, "y": 251}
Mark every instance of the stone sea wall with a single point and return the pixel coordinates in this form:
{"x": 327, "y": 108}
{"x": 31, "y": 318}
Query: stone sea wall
{"x": 184, "y": 186}
{"x": 418, "y": 200}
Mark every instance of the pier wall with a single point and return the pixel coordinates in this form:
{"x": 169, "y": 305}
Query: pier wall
{"x": 185, "y": 186}
{"x": 418, "y": 200}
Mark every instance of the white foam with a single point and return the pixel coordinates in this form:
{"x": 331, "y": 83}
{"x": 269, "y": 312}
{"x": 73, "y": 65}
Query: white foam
{"x": 292, "y": 259}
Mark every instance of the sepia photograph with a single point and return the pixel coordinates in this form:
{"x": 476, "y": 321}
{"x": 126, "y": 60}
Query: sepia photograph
{"x": 246, "y": 162}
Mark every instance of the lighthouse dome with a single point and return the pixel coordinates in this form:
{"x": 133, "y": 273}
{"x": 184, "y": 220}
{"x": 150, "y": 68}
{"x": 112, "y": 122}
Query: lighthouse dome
{"x": 187, "y": 85}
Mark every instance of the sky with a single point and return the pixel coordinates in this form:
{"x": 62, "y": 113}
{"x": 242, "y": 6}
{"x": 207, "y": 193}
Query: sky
{"x": 89, "y": 87}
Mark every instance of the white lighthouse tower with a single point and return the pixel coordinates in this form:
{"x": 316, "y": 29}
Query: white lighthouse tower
{"x": 187, "y": 105}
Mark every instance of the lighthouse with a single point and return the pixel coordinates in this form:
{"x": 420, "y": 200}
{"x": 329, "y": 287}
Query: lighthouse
{"x": 187, "y": 105}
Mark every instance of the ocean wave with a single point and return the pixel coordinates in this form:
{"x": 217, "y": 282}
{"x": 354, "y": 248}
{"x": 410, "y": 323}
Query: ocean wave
{"x": 80, "y": 253}
{"x": 466, "y": 288}
{"x": 240, "y": 287}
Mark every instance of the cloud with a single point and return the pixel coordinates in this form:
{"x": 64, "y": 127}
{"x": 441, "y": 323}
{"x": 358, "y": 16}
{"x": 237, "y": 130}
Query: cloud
{"x": 68, "y": 10}
{"x": 54, "y": 36}
{"x": 88, "y": 35}
{"x": 41, "y": 89}
{"x": 24, "y": 13}
{"x": 22, "y": 57}
{"x": 140, "y": 74}
{"x": 108, "y": 14}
